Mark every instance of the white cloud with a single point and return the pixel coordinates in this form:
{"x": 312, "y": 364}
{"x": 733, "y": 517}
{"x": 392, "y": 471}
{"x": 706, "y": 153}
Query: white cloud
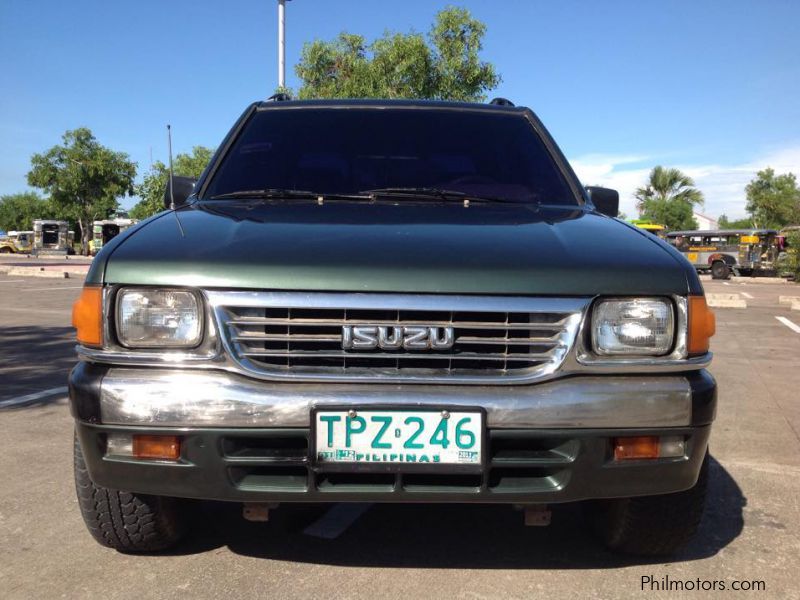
{"x": 722, "y": 185}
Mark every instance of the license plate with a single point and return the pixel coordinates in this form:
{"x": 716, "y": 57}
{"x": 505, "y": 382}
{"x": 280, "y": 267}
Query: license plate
{"x": 398, "y": 437}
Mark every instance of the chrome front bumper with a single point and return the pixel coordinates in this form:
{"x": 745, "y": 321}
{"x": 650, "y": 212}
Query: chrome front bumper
{"x": 546, "y": 443}
{"x": 185, "y": 398}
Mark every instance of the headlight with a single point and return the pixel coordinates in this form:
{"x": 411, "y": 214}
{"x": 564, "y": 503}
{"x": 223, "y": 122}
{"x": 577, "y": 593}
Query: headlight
{"x": 635, "y": 326}
{"x": 152, "y": 318}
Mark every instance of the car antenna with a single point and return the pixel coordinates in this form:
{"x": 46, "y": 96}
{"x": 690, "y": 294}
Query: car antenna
{"x": 169, "y": 183}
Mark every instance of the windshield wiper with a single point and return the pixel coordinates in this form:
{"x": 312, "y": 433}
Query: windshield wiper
{"x": 273, "y": 193}
{"x": 434, "y": 193}
{"x": 429, "y": 193}
{"x": 419, "y": 192}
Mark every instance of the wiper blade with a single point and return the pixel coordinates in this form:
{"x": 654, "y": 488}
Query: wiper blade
{"x": 437, "y": 193}
{"x": 267, "y": 193}
{"x": 276, "y": 193}
{"x": 421, "y": 192}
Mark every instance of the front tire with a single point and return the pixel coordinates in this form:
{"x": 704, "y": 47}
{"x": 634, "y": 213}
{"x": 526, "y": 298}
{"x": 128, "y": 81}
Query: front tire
{"x": 126, "y": 521}
{"x": 652, "y": 525}
{"x": 719, "y": 270}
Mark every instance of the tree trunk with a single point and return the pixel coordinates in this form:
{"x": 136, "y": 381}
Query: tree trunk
{"x": 84, "y": 238}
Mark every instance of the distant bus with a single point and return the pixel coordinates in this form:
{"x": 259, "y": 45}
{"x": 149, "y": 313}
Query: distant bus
{"x": 723, "y": 251}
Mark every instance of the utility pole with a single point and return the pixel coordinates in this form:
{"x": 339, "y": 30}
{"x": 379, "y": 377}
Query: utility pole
{"x": 281, "y": 43}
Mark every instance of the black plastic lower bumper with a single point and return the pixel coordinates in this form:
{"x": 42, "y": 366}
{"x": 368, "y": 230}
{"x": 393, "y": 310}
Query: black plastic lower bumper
{"x": 525, "y": 466}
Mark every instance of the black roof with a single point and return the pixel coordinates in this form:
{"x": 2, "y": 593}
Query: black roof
{"x": 386, "y": 103}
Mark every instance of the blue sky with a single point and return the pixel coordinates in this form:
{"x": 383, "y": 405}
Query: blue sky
{"x": 712, "y": 87}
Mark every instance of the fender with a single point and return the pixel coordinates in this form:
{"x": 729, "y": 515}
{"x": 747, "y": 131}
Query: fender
{"x": 726, "y": 258}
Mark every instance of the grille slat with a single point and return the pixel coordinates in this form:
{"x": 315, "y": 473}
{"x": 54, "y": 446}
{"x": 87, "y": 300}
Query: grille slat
{"x": 294, "y": 337}
{"x": 507, "y": 341}
{"x": 338, "y": 323}
{"x": 409, "y": 355}
{"x": 489, "y": 345}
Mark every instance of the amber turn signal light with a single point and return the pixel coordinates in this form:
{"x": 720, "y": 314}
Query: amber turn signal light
{"x": 702, "y": 326}
{"x": 87, "y": 316}
{"x": 157, "y": 447}
{"x": 629, "y": 448}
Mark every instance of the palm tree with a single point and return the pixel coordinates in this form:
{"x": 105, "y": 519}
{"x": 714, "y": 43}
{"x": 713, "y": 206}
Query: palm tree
{"x": 668, "y": 184}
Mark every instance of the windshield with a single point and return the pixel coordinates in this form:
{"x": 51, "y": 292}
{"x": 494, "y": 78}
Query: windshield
{"x": 357, "y": 150}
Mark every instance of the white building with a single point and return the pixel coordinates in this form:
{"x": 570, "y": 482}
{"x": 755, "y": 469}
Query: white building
{"x": 704, "y": 221}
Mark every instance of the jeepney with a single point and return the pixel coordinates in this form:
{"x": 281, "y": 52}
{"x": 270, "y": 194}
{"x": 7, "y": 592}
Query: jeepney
{"x": 51, "y": 237}
{"x": 16, "y": 242}
{"x": 788, "y": 248}
{"x": 105, "y": 230}
{"x": 721, "y": 252}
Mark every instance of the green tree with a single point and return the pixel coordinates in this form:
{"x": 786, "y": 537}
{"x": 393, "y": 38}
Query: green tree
{"x": 669, "y": 198}
{"x": 83, "y": 178}
{"x": 725, "y": 223}
{"x": 675, "y": 215}
{"x": 773, "y": 201}
{"x": 446, "y": 66}
{"x": 18, "y": 211}
{"x": 151, "y": 190}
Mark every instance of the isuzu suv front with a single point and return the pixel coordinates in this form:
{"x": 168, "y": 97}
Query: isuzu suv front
{"x": 391, "y": 301}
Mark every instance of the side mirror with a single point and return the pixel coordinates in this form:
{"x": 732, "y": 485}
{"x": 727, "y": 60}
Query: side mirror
{"x": 606, "y": 201}
{"x": 182, "y": 188}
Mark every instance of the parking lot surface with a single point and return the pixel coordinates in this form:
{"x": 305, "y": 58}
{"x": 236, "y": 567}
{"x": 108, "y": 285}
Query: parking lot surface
{"x": 749, "y": 532}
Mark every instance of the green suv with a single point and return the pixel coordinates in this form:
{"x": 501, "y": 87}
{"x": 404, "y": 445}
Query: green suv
{"x": 391, "y": 301}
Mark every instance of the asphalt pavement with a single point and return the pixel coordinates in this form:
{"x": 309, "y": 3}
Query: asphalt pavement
{"x": 749, "y": 532}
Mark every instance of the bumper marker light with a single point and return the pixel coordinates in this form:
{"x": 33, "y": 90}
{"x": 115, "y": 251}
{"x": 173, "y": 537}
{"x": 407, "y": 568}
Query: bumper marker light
{"x": 648, "y": 447}
{"x": 157, "y": 447}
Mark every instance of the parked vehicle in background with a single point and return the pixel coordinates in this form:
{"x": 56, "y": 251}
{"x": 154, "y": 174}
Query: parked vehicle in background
{"x": 789, "y": 258}
{"x": 51, "y": 237}
{"x": 747, "y": 252}
{"x": 16, "y": 242}
{"x": 654, "y": 228}
{"x": 106, "y": 230}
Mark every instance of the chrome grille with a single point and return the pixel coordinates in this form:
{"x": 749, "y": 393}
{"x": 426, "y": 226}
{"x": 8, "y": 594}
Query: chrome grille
{"x": 300, "y": 335}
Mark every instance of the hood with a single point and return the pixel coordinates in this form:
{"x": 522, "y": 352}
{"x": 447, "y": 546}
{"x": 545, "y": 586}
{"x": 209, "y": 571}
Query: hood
{"x": 402, "y": 247}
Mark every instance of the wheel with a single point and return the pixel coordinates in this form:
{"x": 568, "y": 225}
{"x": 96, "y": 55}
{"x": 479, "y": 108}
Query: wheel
{"x": 651, "y": 525}
{"x": 719, "y": 270}
{"x": 5, "y": 250}
{"x": 126, "y": 521}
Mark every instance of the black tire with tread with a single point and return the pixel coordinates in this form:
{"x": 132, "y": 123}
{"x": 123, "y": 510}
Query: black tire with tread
{"x": 719, "y": 270}
{"x": 126, "y": 521}
{"x": 651, "y": 525}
